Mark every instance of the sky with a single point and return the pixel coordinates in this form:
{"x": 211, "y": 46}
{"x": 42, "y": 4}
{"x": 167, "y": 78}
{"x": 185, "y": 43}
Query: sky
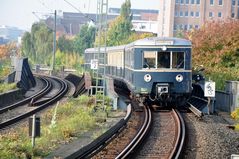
{"x": 19, "y": 13}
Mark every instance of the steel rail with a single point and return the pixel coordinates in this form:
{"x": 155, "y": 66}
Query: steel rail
{"x": 140, "y": 135}
{"x": 27, "y": 100}
{"x": 61, "y": 93}
{"x": 41, "y": 94}
{"x": 178, "y": 146}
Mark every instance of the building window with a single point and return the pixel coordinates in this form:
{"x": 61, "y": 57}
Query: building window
{"x": 219, "y": 14}
{"x": 186, "y": 14}
{"x": 233, "y": 2}
{"x": 176, "y": 14}
{"x": 181, "y": 1}
{"x": 177, "y": 1}
{"x": 197, "y": 26}
{"x": 198, "y": 2}
{"x": 210, "y": 14}
{"x": 233, "y": 15}
{"x": 211, "y": 2}
{"x": 187, "y": 1}
{"x": 185, "y": 27}
{"x": 192, "y": 14}
{"x": 181, "y": 26}
{"x": 190, "y": 26}
{"x": 175, "y": 27}
{"x": 197, "y": 14}
{"x": 181, "y": 13}
{"x": 192, "y": 1}
{"x": 220, "y": 2}
{"x": 238, "y": 4}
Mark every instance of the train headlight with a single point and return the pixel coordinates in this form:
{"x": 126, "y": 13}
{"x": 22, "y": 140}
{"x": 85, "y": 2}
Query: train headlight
{"x": 164, "y": 48}
{"x": 179, "y": 78}
{"x": 147, "y": 78}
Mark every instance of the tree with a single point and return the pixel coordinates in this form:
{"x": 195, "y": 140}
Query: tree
{"x": 65, "y": 45}
{"x": 120, "y": 29}
{"x": 213, "y": 45}
{"x": 85, "y": 39}
{"x": 38, "y": 44}
{"x": 27, "y": 44}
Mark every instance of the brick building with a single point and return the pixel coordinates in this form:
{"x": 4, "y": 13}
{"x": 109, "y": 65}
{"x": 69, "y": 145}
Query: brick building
{"x": 175, "y": 15}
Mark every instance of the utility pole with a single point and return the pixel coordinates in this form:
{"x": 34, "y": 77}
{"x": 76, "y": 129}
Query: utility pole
{"x": 54, "y": 43}
{"x": 100, "y": 52}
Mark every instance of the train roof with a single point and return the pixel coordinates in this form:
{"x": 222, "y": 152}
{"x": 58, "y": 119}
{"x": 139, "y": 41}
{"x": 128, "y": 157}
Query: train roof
{"x": 95, "y": 50}
{"x": 161, "y": 41}
{"x": 152, "y": 41}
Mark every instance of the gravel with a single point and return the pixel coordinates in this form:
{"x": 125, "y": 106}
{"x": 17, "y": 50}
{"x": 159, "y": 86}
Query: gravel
{"x": 210, "y": 137}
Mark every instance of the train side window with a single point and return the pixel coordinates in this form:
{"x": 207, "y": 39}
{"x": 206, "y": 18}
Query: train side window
{"x": 149, "y": 60}
{"x": 178, "y": 60}
{"x": 163, "y": 60}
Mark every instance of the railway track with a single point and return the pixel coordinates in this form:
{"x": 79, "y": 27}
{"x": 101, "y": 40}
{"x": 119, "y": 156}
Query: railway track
{"x": 31, "y": 99}
{"x": 14, "y": 115}
{"x": 127, "y": 141}
{"x": 166, "y": 138}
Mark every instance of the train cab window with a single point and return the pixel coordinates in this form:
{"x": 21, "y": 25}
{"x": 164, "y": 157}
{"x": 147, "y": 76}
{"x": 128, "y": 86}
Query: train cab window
{"x": 149, "y": 60}
{"x": 163, "y": 60}
{"x": 178, "y": 60}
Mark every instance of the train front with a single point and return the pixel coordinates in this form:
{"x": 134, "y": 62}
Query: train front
{"x": 162, "y": 69}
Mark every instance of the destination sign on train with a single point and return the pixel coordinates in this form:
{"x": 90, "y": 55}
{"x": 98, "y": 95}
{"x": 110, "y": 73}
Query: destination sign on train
{"x": 164, "y": 42}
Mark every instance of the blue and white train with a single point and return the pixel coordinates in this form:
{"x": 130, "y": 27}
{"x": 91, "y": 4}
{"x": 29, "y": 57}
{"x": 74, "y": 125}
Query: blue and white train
{"x": 154, "y": 69}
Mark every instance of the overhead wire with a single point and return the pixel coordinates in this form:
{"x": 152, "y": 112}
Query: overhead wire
{"x": 43, "y": 4}
{"x": 79, "y": 10}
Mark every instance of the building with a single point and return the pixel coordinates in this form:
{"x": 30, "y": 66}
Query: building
{"x": 8, "y": 33}
{"x": 143, "y": 20}
{"x": 178, "y": 15}
{"x": 70, "y": 23}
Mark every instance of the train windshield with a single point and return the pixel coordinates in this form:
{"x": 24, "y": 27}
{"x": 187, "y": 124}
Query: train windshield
{"x": 171, "y": 60}
{"x": 150, "y": 59}
{"x": 178, "y": 60}
{"x": 163, "y": 60}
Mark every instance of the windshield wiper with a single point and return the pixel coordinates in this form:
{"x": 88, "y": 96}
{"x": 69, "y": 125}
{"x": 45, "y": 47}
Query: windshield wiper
{"x": 179, "y": 65}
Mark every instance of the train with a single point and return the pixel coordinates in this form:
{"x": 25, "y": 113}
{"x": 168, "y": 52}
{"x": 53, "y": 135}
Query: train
{"x": 155, "y": 69}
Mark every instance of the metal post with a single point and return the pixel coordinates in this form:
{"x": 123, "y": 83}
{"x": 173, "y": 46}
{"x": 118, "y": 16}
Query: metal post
{"x": 54, "y": 43}
{"x": 33, "y": 129}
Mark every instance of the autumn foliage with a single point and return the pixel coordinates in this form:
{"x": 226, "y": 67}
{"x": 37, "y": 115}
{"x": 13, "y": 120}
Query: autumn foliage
{"x": 6, "y": 50}
{"x": 216, "y": 47}
{"x": 216, "y": 43}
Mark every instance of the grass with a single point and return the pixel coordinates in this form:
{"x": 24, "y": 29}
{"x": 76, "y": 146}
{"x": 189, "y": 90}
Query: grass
{"x": 61, "y": 124}
{"x": 6, "y": 87}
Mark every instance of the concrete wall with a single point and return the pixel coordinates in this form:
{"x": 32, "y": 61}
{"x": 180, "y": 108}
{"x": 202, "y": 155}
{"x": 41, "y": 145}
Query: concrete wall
{"x": 10, "y": 97}
{"x": 223, "y": 101}
{"x": 228, "y": 100}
